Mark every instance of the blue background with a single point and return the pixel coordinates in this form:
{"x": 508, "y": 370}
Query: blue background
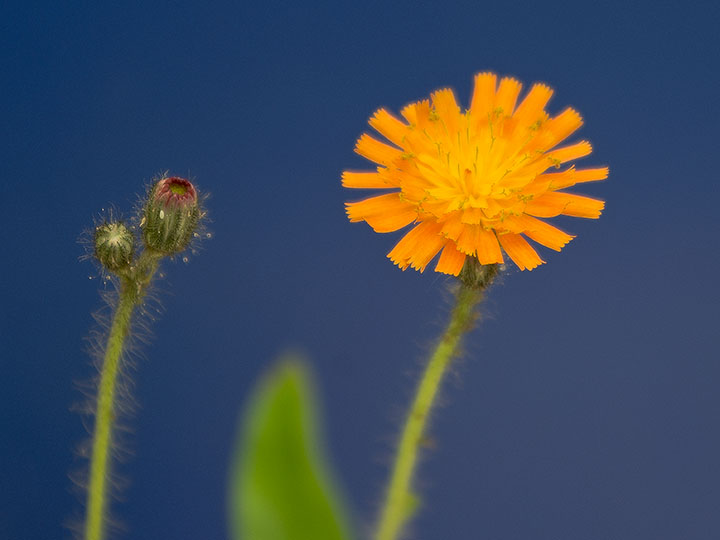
{"x": 586, "y": 404}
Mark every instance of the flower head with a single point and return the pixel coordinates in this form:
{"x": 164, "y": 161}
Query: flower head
{"x": 474, "y": 183}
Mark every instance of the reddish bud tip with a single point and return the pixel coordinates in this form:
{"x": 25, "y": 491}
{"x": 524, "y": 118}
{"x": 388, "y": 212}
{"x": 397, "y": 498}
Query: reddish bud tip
{"x": 175, "y": 192}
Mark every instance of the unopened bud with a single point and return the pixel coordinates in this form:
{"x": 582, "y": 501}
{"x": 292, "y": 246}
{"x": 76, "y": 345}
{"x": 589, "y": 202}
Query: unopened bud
{"x": 171, "y": 216}
{"x": 114, "y": 246}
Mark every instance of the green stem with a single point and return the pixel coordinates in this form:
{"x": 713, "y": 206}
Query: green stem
{"x": 399, "y": 502}
{"x": 132, "y": 290}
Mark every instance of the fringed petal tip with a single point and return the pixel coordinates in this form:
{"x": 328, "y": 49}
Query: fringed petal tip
{"x": 376, "y": 151}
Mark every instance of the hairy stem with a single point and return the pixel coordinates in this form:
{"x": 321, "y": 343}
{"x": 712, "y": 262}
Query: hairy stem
{"x": 131, "y": 291}
{"x": 400, "y": 502}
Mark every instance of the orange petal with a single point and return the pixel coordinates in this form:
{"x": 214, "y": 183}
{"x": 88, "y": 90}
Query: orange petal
{"x": 385, "y": 213}
{"x": 376, "y": 151}
{"x": 451, "y": 260}
{"x": 569, "y": 153}
{"x": 472, "y": 216}
{"x": 488, "y": 249}
{"x": 467, "y": 239}
{"x": 572, "y": 176}
{"x": 544, "y": 234}
{"x": 507, "y": 95}
{"x": 513, "y": 224}
{"x": 484, "y": 94}
{"x": 404, "y": 250}
{"x": 532, "y": 107}
{"x": 561, "y": 127}
{"x": 447, "y": 109}
{"x": 364, "y": 180}
{"x": 426, "y": 249}
{"x": 453, "y": 226}
{"x": 590, "y": 175}
{"x": 417, "y": 113}
{"x": 551, "y": 181}
{"x": 555, "y": 203}
{"x": 520, "y": 251}
{"x": 388, "y": 126}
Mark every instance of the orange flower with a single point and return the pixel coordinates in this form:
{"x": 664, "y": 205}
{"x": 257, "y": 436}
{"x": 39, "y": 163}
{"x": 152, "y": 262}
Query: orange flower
{"x": 473, "y": 182}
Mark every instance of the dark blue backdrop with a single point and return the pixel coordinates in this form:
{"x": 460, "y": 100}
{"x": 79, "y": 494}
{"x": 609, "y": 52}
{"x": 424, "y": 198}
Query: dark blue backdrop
{"x": 586, "y": 405}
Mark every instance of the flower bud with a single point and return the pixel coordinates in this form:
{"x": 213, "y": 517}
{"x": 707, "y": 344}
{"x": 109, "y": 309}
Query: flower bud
{"x": 114, "y": 245}
{"x": 171, "y": 216}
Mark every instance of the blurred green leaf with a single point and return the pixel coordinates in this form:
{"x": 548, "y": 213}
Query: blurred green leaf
{"x": 281, "y": 488}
